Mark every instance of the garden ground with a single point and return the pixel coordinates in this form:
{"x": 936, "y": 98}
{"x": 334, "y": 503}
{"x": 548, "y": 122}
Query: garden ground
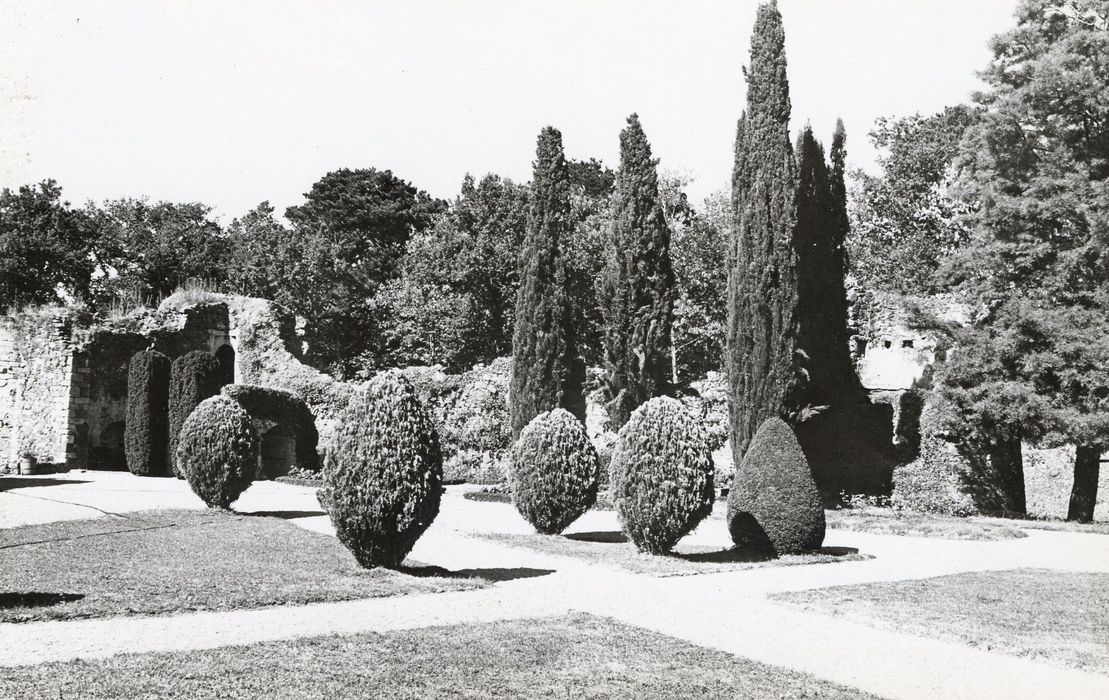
{"x": 820, "y": 644}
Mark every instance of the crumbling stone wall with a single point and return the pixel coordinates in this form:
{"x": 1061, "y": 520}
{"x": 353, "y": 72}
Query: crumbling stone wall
{"x": 36, "y": 374}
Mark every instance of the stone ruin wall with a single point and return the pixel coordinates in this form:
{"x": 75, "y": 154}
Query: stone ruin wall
{"x": 36, "y": 374}
{"x": 63, "y": 380}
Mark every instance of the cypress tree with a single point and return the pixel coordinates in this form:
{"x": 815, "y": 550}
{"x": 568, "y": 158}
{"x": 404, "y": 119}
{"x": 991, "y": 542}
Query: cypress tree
{"x": 546, "y": 370}
{"x": 763, "y": 371}
{"x": 638, "y": 282}
{"x": 821, "y": 294}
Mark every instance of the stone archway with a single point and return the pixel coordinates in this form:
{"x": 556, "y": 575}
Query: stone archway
{"x": 109, "y": 452}
{"x": 225, "y": 355}
{"x": 278, "y": 451}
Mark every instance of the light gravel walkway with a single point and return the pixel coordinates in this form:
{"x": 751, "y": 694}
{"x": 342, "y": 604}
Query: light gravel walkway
{"x": 726, "y": 611}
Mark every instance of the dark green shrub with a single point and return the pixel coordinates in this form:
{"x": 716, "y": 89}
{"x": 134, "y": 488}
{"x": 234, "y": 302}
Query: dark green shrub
{"x": 217, "y": 451}
{"x": 384, "y": 472}
{"x": 193, "y": 377}
{"x": 774, "y": 504}
{"x": 145, "y": 438}
{"x": 662, "y": 475}
{"x": 554, "y": 472}
{"x": 285, "y": 408}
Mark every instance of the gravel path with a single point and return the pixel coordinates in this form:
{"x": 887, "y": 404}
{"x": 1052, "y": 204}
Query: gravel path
{"x": 726, "y": 611}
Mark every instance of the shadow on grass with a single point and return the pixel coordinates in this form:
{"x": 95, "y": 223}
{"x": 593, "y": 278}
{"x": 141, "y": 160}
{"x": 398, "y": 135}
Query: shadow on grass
{"x": 494, "y": 574}
{"x": 754, "y": 554}
{"x": 36, "y": 599}
{"x": 283, "y": 514}
{"x": 15, "y": 482}
{"x": 603, "y": 537}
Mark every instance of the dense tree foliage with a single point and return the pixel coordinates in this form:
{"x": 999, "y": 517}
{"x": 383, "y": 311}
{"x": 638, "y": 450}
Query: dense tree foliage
{"x": 907, "y": 221}
{"x": 763, "y": 372}
{"x": 698, "y": 248}
{"x": 637, "y": 285}
{"x": 1034, "y": 365}
{"x": 547, "y": 372}
{"x": 46, "y": 246}
{"x": 454, "y": 300}
{"x": 147, "y": 250}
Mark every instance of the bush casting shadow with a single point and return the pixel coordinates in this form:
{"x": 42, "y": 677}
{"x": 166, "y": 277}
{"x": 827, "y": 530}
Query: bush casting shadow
{"x": 496, "y": 574}
{"x": 284, "y": 514}
{"x": 602, "y": 537}
{"x": 15, "y": 482}
{"x": 35, "y": 599}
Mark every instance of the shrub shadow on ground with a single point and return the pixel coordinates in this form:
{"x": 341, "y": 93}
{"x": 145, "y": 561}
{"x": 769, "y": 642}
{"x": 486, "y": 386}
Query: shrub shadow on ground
{"x": 492, "y": 574}
{"x": 603, "y": 537}
{"x": 15, "y": 482}
{"x": 36, "y": 599}
{"x": 614, "y": 549}
{"x": 284, "y": 514}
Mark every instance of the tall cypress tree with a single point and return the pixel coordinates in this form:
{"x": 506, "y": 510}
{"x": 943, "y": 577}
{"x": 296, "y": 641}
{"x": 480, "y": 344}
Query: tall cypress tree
{"x": 546, "y": 370}
{"x": 763, "y": 366}
{"x": 822, "y": 296}
{"x": 638, "y": 282}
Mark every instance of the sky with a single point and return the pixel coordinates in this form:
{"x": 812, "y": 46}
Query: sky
{"x": 234, "y": 103}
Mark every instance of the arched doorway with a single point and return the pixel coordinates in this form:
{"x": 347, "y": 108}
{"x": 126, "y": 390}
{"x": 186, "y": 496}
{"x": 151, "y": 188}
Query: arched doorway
{"x": 109, "y": 453}
{"x": 225, "y": 355}
{"x": 278, "y": 451}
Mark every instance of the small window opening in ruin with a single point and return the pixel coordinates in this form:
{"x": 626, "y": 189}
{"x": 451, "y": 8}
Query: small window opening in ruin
{"x": 906, "y": 343}
{"x": 887, "y": 343}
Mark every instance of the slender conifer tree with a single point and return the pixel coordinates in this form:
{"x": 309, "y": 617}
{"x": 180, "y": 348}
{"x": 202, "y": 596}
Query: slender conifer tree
{"x": 637, "y": 288}
{"x": 763, "y": 365}
{"x": 547, "y": 372}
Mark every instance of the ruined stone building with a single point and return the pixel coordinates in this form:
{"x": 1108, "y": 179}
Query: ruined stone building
{"x": 63, "y": 375}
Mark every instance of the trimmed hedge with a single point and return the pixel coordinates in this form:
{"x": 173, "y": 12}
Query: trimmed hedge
{"x": 774, "y": 504}
{"x": 384, "y": 472}
{"x": 218, "y": 451}
{"x": 285, "y": 408}
{"x": 662, "y": 475}
{"x": 146, "y": 434}
{"x": 193, "y": 377}
{"x": 555, "y": 471}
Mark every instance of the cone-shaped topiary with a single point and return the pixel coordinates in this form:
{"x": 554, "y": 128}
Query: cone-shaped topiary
{"x": 146, "y": 434}
{"x": 217, "y": 451}
{"x": 662, "y": 475}
{"x": 555, "y": 470}
{"x": 193, "y": 377}
{"x": 774, "y": 503}
{"x": 384, "y": 472}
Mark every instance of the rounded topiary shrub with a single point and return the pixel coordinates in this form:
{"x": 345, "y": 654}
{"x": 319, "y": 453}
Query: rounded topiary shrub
{"x": 774, "y": 504}
{"x": 554, "y": 471}
{"x": 193, "y": 377}
{"x": 662, "y": 475}
{"x": 217, "y": 451}
{"x": 146, "y": 435}
{"x": 384, "y": 472}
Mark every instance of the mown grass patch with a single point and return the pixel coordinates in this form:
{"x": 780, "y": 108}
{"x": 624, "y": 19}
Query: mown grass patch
{"x": 886, "y": 521}
{"x": 1060, "y": 617}
{"x": 160, "y": 562}
{"x": 570, "y": 656}
{"x": 614, "y": 549}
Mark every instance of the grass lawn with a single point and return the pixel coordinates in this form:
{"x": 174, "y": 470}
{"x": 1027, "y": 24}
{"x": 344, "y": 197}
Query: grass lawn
{"x": 1056, "y": 616}
{"x": 886, "y": 521}
{"x": 173, "y": 561}
{"x": 613, "y": 548}
{"x": 573, "y": 656}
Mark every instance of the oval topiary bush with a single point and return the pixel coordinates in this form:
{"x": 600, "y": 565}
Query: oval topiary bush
{"x": 193, "y": 377}
{"x": 662, "y": 475}
{"x": 217, "y": 451}
{"x": 146, "y": 432}
{"x": 384, "y": 472}
{"x": 774, "y": 504}
{"x": 554, "y": 471}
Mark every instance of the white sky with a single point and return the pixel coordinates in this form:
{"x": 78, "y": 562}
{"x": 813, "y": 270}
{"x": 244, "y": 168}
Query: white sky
{"x": 232, "y": 103}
